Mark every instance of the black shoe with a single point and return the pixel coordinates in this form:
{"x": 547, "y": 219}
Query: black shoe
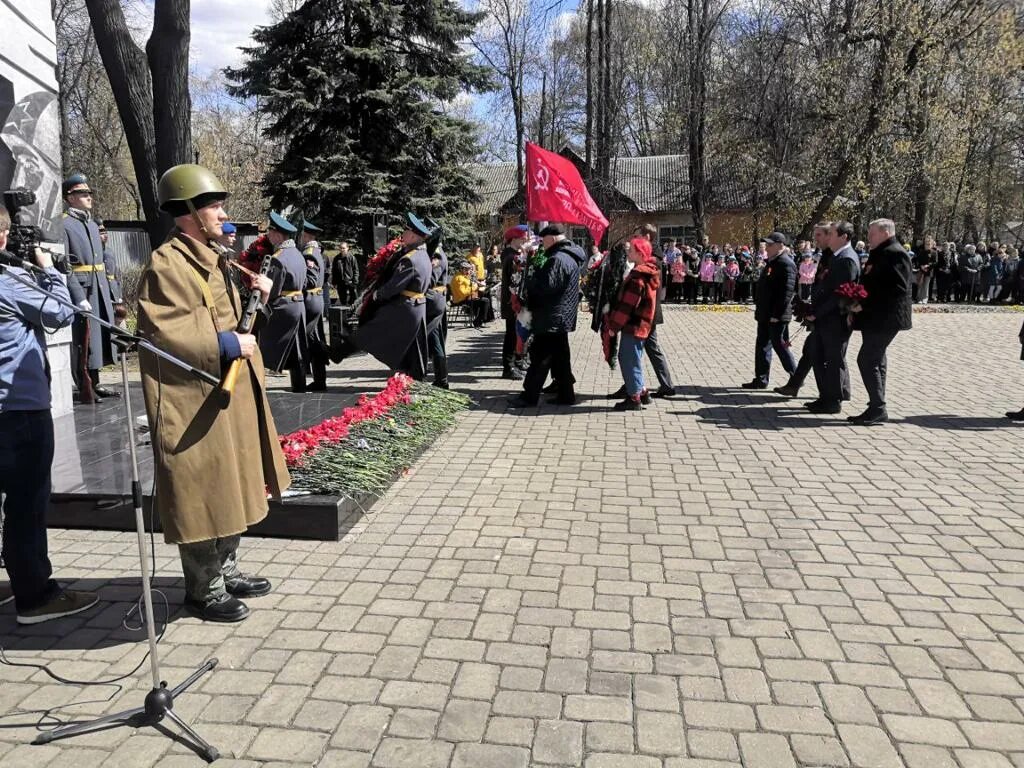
{"x": 562, "y": 401}
{"x": 869, "y": 417}
{"x": 1015, "y": 415}
{"x": 228, "y": 611}
{"x": 521, "y": 402}
{"x": 441, "y": 384}
{"x": 812, "y": 403}
{"x": 104, "y": 392}
{"x": 645, "y": 398}
{"x": 551, "y": 389}
{"x": 788, "y": 390}
{"x": 755, "y": 384}
{"x": 629, "y": 404}
{"x": 664, "y": 392}
{"x": 618, "y": 394}
{"x": 317, "y": 386}
{"x": 512, "y": 373}
{"x": 247, "y": 586}
{"x": 823, "y": 408}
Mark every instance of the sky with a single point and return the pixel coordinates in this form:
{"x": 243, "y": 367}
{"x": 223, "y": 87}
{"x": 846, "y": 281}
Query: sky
{"x": 219, "y": 27}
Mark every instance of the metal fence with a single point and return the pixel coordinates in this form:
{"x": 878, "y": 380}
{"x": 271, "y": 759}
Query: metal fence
{"x": 129, "y": 244}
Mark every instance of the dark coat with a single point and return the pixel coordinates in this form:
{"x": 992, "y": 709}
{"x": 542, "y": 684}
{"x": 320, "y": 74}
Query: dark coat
{"x": 553, "y": 291}
{"x": 400, "y": 319}
{"x": 85, "y": 251}
{"x": 113, "y": 277}
{"x": 283, "y": 339}
{"x": 887, "y": 278}
{"x": 345, "y": 272}
{"x": 437, "y": 301}
{"x": 315, "y": 294}
{"x": 840, "y": 268}
{"x": 508, "y": 268}
{"x": 663, "y": 281}
{"x": 775, "y": 290}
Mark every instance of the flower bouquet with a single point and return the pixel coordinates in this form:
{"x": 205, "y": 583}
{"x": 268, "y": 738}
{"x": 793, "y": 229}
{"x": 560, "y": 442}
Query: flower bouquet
{"x": 850, "y": 296}
{"x": 376, "y": 269}
{"x": 363, "y": 450}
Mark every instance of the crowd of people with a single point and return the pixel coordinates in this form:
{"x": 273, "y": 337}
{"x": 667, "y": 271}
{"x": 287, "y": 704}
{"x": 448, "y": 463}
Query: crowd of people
{"x": 981, "y": 273}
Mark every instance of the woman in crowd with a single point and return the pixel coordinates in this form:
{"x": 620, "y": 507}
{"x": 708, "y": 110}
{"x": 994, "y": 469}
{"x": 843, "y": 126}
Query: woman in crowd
{"x": 465, "y": 289}
{"x": 632, "y": 318}
{"x": 808, "y": 268}
{"x": 476, "y": 258}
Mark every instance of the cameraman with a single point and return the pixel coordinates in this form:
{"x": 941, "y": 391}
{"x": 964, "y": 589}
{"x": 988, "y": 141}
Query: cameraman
{"x": 26, "y": 438}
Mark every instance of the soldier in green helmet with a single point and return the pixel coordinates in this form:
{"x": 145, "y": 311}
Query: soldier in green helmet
{"x": 214, "y": 461}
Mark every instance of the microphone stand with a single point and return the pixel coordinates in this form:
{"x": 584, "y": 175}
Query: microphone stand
{"x": 159, "y": 702}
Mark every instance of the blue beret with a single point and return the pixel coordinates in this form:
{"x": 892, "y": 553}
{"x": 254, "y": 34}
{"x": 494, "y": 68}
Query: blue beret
{"x": 281, "y": 224}
{"x": 228, "y": 228}
{"x": 309, "y": 226}
{"x": 416, "y": 225}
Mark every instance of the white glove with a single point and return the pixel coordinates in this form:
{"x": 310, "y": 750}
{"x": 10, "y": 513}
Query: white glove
{"x": 84, "y": 304}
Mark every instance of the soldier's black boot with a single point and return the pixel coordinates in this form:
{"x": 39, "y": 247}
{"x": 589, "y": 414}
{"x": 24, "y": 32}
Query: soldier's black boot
{"x": 441, "y": 371}
{"x": 298, "y": 378}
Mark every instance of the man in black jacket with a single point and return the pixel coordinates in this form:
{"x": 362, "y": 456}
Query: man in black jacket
{"x": 887, "y": 278}
{"x": 515, "y": 238}
{"x": 345, "y": 275}
{"x": 773, "y": 311}
{"x": 831, "y": 327}
{"x": 553, "y": 297}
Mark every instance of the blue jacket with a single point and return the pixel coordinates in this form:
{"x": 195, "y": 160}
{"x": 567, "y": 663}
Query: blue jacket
{"x": 553, "y": 291}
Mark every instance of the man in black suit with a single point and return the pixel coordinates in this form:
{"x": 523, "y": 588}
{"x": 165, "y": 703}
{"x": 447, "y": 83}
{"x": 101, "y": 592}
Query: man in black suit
{"x": 773, "y": 311}
{"x": 806, "y": 362}
{"x": 1018, "y": 415}
{"x": 888, "y": 280}
{"x": 831, "y": 325}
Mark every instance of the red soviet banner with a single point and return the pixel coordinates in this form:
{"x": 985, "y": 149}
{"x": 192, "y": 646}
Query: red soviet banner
{"x": 555, "y": 192}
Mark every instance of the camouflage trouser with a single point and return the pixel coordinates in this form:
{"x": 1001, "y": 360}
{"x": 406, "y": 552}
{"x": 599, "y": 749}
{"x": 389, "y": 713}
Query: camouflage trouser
{"x": 206, "y": 564}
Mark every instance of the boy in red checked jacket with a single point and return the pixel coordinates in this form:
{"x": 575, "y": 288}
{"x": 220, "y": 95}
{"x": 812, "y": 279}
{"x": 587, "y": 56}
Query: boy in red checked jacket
{"x": 632, "y": 317}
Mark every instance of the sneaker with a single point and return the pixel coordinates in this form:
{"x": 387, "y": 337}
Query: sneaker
{"x": 6, "y": 594}
{"x": 67, "y": 603}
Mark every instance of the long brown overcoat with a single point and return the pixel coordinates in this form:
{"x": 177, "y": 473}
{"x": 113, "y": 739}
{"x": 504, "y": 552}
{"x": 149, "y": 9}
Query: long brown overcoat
{"x": 214, "y": 463}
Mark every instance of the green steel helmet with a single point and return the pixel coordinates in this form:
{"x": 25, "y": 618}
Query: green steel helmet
{"x": 188, "y": 182}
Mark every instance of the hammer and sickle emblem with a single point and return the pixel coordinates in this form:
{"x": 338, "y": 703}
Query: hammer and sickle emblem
{"x": 543, "y": 176}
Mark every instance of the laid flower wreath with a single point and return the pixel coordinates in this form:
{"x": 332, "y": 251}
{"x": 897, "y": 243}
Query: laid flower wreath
{"x": 363, "y": 450}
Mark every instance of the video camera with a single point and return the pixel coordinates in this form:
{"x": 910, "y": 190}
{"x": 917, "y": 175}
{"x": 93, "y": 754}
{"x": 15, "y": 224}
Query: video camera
{"x": 24, "y": 238}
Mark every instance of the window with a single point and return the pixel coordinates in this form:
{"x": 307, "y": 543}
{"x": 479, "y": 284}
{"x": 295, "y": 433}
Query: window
{"x": 685, "y": 235}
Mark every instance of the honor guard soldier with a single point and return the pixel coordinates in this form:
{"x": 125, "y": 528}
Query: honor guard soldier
{"x": 316, "y": 288}
{"x": 89, "y": 288}
{"x": 392, "y": 327}
{"x": 113, "y": 277}
{"x": 216, "y": 455}
{"x": 437, "y": 308}
{"x": 283, "y": 339}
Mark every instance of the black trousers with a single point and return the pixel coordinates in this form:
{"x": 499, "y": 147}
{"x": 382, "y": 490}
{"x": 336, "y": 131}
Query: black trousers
{"x": 872, "y": 363}
{"x": 806, "y": 364}
{"x": 831, "y": 339}
{"x": 549, "y": 352}
{"x": 658, "y": 360}
{"x": 26, "y": 453}
{"x": 771, "y": 336}
{"x": 438, "y": 353}
{"x": 508, "y": 343}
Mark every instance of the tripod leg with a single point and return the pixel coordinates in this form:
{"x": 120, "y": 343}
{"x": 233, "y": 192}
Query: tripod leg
{"x": 206, "y": 750}
{"x": 102, "y": 723}
{"x": 188, "y": 681}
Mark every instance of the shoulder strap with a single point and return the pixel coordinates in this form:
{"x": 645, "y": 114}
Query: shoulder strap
{"x": 204, "y": 288}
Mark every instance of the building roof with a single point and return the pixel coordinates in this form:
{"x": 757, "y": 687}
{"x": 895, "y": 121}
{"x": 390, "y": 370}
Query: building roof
{"x": 653, "y": 183}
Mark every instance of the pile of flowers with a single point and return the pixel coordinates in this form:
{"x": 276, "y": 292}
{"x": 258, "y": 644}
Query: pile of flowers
{"x": 363, "y": 450}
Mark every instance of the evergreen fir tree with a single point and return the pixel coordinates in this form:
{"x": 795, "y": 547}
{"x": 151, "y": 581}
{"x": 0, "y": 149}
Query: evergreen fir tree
{"x": 353, "y": 91}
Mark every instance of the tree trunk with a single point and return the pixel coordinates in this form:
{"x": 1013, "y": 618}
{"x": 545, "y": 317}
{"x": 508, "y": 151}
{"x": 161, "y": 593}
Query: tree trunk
{"x": 167, "y": 52}
{"x": 589, "y": 64}
{"x": 132, "y": 85}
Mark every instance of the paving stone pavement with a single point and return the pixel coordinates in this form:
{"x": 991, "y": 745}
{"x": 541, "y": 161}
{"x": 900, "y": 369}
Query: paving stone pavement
{"x": 722, "y": 579}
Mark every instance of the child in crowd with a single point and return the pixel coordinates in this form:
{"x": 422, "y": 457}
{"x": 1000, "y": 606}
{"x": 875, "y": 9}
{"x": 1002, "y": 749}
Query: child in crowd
{"x": 707, "y": 278}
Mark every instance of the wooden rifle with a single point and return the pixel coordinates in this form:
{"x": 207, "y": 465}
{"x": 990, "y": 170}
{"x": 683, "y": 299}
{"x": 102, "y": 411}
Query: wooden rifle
{"x": 245, "y": 325}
